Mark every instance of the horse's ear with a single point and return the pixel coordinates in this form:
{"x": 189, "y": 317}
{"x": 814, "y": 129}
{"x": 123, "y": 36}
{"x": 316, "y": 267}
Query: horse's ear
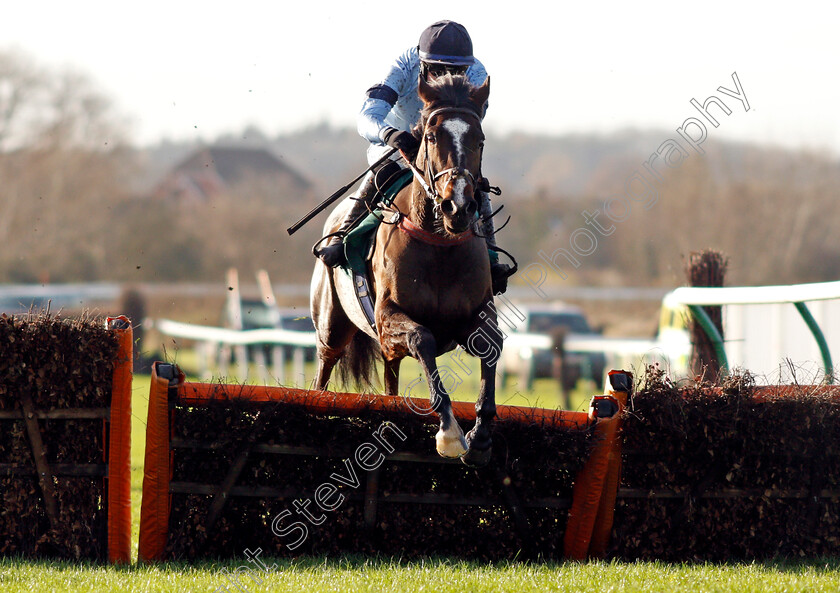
{"x": 426, "y": 91}
{"x": 481, "y": 94}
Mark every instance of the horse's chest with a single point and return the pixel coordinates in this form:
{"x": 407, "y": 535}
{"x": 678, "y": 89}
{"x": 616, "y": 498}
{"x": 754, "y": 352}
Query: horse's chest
{"x": 430, "y": 297}
{"x": 442, "y": 303}
{"x": 436, "y": 287}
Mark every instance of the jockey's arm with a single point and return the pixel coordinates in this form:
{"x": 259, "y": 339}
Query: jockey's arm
{"x": 380, "y": 99}
{"x": 371, "y": 120}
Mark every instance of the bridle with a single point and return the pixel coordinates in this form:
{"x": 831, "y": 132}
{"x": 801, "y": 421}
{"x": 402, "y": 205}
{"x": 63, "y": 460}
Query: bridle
{"x": 428, "y": 179}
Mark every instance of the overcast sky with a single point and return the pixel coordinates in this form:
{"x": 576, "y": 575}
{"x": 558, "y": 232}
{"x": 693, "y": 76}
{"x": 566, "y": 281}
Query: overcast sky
{"x": 184, "y": 69}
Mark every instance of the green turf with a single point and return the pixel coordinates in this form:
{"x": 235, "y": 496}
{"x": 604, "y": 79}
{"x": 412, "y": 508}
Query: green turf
{"x": 439, "y": 575}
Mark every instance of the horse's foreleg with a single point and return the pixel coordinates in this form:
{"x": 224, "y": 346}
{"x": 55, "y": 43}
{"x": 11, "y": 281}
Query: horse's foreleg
{"x": 479, "y": 442}
{"x": 401, "y": 336}
{"x": 486, "y": 343}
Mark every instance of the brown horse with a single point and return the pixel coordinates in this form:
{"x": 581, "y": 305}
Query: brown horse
{"x": 430, "y": 273}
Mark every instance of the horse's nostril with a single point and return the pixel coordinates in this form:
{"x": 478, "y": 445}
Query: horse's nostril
{"x": 471, "y": 208}
{"x": 448, "y": 207}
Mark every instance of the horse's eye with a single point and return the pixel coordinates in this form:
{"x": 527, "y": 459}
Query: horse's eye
{"x": 430, "y": 138}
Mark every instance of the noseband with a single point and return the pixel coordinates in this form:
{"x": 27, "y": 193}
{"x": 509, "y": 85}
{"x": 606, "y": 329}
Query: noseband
{"x": 428, "y": 179}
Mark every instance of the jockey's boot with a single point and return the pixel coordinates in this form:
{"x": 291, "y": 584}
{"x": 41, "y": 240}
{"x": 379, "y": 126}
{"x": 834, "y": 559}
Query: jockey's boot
{"x": 332, "y": 254}
{"x": 499, "y": 272}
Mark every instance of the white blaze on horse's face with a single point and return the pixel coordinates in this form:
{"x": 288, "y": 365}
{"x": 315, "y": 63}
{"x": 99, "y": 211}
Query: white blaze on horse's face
{"x": 459, "y": 193}
{"x": 458, "y": 129}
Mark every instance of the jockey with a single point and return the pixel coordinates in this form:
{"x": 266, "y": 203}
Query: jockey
{"x": 392, "y": 109}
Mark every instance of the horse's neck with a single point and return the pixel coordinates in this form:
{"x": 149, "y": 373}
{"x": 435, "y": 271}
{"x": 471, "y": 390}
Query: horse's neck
{"x": 421, "y": 212}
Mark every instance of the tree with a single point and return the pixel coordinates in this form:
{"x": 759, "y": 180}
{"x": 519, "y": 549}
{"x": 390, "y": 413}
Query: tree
{"x": 63, "y": 163}
{"x": 21, "y": 87}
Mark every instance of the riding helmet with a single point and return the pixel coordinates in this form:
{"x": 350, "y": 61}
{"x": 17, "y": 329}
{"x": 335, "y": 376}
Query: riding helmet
{"x": 446, "y": 42}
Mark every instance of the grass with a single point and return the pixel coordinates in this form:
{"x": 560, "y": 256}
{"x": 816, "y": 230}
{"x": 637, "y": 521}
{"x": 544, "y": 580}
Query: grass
{"x": 351, "y": 573}
{"x": 440, "y": 575}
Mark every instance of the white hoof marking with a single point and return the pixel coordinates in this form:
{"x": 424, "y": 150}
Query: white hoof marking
{"x": 451, "y": 443}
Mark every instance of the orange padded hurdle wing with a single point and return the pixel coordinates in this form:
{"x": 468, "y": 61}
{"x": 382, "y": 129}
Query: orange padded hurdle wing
{"x": 596, "y": 486}
{"x": 157, "y": 473}
{"x": 119, "y": 452}
{"x": 602, "y": 528}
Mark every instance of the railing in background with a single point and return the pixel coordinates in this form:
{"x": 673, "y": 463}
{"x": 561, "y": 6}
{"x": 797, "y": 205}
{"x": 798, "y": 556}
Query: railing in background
{"x": 696, "y": 298}
{"x": 19, "y": 298}
{"x": 620, "y": 353}
{"x": 216, "y": 345}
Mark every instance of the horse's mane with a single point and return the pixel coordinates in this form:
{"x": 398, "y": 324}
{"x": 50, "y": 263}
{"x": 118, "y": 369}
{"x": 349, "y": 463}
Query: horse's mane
{"x": 453, "y": 90}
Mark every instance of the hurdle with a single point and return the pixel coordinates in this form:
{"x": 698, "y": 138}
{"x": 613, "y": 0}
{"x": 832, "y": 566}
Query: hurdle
{"x": 413, "y": 486}
{"x": 60, "y": 499}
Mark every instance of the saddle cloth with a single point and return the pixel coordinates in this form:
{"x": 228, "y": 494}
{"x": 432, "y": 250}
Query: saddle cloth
{"x": 359, "y": 244}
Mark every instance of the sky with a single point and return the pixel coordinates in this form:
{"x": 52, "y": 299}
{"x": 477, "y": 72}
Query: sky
{"x": 188, "y": 70}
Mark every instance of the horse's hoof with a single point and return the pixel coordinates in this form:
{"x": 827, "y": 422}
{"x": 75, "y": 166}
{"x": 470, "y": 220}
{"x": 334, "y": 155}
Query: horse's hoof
{"x": 451, "y": 447}
{"x": 477, "y": 457}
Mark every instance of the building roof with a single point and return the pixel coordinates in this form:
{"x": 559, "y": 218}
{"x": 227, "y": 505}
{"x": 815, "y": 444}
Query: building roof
{"x": 212, "y": 170}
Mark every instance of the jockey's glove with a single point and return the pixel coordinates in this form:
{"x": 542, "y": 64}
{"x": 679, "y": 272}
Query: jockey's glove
{"x": 403, "y": 141}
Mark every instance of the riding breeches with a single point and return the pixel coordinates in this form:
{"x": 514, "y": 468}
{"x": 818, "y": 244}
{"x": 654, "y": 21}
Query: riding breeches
{"x": 485, "y": 211}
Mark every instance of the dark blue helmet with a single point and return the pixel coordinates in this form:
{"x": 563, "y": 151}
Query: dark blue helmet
{"x": 448, "y": 43}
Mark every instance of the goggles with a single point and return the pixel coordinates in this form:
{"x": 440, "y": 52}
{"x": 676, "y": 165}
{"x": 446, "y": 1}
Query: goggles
{"x": 436, "y": 70}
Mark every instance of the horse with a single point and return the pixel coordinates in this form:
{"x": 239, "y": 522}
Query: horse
{"x": 429, "y": 272}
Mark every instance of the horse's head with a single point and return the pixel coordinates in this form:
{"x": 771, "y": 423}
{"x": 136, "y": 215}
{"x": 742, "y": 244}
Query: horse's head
{"x": 448, "y": 164}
